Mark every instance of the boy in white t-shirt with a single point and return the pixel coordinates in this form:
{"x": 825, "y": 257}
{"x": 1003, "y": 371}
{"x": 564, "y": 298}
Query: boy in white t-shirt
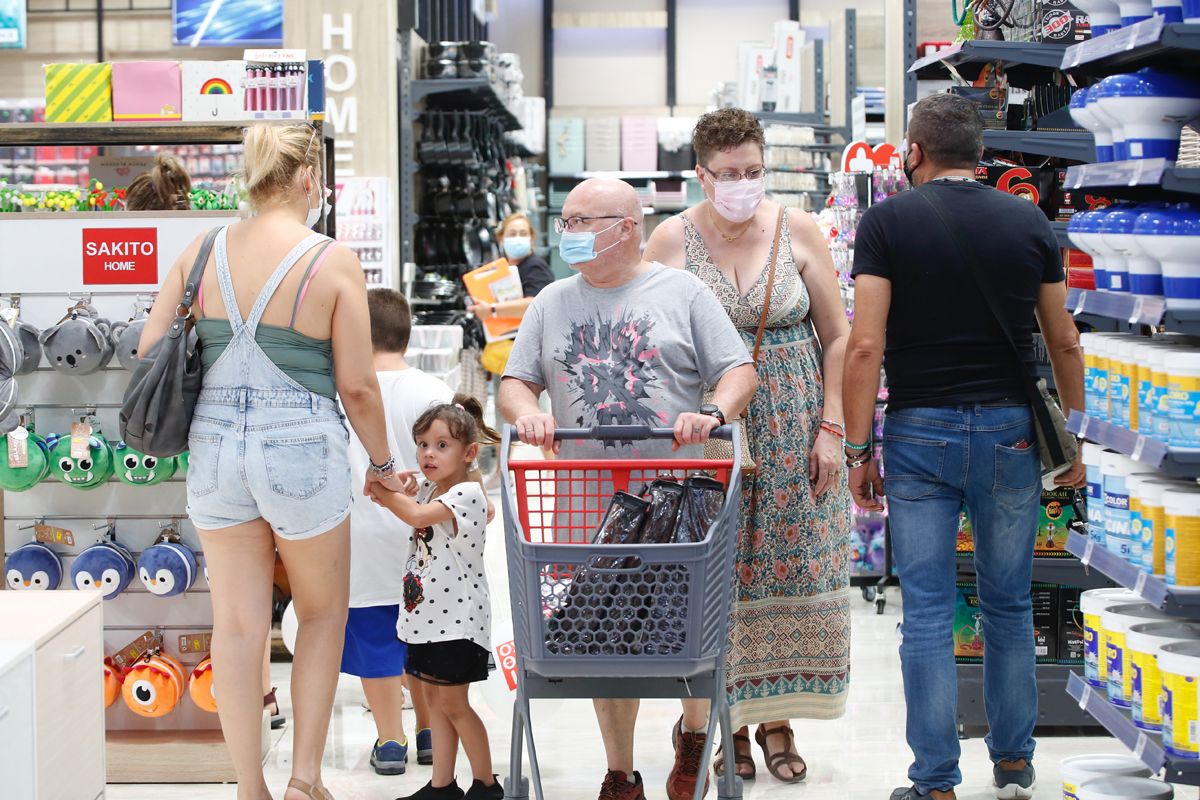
{"x": 378, "y": 541}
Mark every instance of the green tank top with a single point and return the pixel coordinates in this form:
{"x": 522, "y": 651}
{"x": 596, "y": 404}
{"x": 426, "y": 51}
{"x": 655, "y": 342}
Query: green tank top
{"x": 307, "y": 361}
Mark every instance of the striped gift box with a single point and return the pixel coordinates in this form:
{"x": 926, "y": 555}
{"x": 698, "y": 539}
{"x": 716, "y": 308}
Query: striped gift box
{"x": 79, "y": 93}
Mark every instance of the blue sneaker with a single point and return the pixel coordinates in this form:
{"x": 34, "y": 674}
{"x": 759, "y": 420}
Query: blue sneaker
{"x": 1014, "y": 784}
{"x": 425, "y": 747}
{"x": 390, "y": 757}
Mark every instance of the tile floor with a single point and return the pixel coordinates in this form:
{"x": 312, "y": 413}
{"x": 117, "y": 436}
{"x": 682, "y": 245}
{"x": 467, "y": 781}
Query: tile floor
{"x": 860, "y": 757}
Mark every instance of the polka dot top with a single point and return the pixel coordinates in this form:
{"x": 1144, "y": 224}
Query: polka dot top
{"x": 457, "y": 604}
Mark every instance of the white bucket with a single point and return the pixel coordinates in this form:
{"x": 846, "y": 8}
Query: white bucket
{"x": 1180, "y": 667}
{"x": 1116, "y": 621}
{"x": 1143, "y": 642}
{"x": 1078, "y": 770}
{"x": 1125, "y": 789}
{"x": 1092, "y": 603}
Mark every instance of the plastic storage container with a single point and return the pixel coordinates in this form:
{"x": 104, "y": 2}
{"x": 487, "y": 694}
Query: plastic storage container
{"x": 1095, "y": 491}
{"x": 1116, "y": 232}
{"x": 1153, "y": 522}
{"x": 1083, "y": 229}
{"x": 1105, "y": 17}
{"x": 1125, "y": 789}
{"x": 1107, "y": 117}
{"x": 1183, "y": 402}
{"x": 1154, "y": 104}
{"x": 1116, "y": 469}
{"x": 1143, "y": 642}
{"x": 1179, "y": 664}
{"x": 1092, "y": 603}
{"x": 1122, "y": 372}
{"x": 1083, "y": 114}
{"x": 1172, "y": 236}
{"x": 1116, "y": 621}
{"x": 1138, "y": 520}
{"x": 1078, "y": 770}
{"x": 1182, "y": 536}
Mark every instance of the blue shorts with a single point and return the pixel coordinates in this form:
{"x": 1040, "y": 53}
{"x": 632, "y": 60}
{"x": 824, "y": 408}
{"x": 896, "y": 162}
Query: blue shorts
{"x": 276, "y": 454}
{"x": 372, "y": 649}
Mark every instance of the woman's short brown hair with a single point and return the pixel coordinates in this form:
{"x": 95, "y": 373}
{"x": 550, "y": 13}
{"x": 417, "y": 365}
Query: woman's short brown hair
{"x": 166, "y": 187}
{"x": 511, "y": 218}
{"x": 725, "y": 129}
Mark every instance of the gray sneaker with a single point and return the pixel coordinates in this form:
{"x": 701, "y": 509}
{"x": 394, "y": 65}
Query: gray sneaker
{"x": 909, "y": 793}
{"x": 1014, "y": 784}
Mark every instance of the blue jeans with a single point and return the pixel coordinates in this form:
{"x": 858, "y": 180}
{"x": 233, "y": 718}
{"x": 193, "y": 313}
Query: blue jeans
{"x": 935, "y": 460}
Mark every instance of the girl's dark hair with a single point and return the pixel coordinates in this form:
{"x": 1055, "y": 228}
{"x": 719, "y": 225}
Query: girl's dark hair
{"x": 463, "y": 416}
{"x": 166, "y": 187}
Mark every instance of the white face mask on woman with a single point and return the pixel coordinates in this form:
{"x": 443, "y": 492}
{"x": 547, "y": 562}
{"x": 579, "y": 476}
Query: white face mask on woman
{"x": 737, "y": 201}
{"x": 317, "y": 214}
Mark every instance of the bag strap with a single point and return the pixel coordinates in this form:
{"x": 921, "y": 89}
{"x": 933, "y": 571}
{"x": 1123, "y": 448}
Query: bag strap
{"x": 966, "y": 255}
{"x": 762, "y": 321}
{"x": 191, "y": 286}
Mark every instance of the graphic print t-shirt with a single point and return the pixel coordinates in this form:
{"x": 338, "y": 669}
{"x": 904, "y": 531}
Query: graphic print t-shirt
{"x": 638, "y": 354}
{"x": 456, "y": 604}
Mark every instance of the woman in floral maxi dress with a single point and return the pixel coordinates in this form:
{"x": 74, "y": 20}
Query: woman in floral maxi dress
{"x": 789, "y": 647}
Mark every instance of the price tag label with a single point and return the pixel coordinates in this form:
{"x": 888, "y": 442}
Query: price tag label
{"x": 1139, "y": 305}
{"x": 128, "y": 655}
{"x": 1085, "y": 698}
{"x": 1084, "y": 426}
{"x": 1081, "y": 302}
{"x": 1139, "y": 586}
{"x": 1140, "y": 748}
{"x": 1139, "y": 449}
{"x": 195, "y": 643}
{"x": 81, "y": 433}
{"x": 49, "y": 534}
{"x": 1088, "y": 549}
{"x": 18, "y": 448}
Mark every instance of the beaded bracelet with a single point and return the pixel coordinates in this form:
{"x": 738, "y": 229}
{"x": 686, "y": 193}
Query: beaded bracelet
{"x": 858, "y": 447}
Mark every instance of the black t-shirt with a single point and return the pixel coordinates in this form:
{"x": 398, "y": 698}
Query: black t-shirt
{"x": 535, "y": 275}
{"x": 943, "y": 344}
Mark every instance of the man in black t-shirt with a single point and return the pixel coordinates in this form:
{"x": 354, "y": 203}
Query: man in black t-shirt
{"x": 959, "y": 429}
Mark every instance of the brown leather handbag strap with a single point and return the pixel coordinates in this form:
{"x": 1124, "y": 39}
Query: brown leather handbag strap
{"x": 762, "y": 321}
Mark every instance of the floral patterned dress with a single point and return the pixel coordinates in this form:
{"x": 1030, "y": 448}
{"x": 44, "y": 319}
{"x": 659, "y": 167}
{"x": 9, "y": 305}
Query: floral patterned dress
{"x": 789, "y": 642}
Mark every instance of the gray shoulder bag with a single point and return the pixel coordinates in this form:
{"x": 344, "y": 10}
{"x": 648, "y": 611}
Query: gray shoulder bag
{"x": 156, "y": 414}
{"x": 1056, "y": 446}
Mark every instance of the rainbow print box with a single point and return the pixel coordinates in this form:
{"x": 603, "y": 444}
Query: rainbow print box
{"x": 79, "y": 93}
{"x": 146, "y": 91}
{"x": 212, "y": 90}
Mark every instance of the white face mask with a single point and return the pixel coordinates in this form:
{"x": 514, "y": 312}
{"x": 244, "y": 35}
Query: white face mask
{"x": 737, "y": 201}
{"x": 317, "y": 214}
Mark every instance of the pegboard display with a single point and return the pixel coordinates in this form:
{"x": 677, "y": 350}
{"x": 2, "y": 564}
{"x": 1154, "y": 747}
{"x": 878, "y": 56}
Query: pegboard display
{"x": 51, "y": 399}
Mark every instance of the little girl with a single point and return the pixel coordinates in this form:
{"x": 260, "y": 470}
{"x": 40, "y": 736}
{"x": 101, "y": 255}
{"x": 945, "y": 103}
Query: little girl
{"x": 448, "y": 624}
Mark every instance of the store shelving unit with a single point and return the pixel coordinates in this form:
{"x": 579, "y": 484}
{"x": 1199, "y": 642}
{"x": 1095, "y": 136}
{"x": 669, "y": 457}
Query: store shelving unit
{"x": 1054, "y": 705}
{"x": 1152, "y": 177}
{"x": 1062, "y": 570}
{"x": 1152, "y": 42}
{"x": 1077, "y": 145}
{"x": 1060, "y": 234}
{"x": 1024, "y": 62}
{"x": 1146, "y": 745}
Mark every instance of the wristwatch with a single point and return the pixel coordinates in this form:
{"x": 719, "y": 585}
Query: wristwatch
{"x": 710, "y": 410}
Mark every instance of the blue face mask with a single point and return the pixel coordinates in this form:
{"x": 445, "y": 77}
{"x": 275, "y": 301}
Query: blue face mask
{"x": 517, "y": 247}
{"x": 579, "y": 247}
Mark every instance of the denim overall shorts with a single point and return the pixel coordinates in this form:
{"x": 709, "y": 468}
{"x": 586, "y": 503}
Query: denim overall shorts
{"x": 261, "y": 444}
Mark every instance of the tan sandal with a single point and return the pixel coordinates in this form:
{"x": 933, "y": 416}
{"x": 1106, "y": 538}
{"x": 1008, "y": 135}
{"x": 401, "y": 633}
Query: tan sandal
{"x": 313, "y": 791}
{"x": 785, "y": 757}
{"x": 740, "y": 759}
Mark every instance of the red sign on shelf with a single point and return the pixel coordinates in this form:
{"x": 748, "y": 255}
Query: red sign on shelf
{"x": 507, "y": 653}
{"x": 120, "y": 256}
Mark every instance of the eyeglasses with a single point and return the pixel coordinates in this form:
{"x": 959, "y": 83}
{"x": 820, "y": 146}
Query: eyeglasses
{"x": 752, "y": 174}
{"x": 562, "y": 225}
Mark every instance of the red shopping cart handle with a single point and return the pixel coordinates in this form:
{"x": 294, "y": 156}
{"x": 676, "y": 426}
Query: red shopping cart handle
{"x": 624, "y": 433}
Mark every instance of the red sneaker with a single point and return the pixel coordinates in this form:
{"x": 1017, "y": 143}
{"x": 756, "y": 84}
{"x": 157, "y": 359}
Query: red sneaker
{"x": 617, "y": 786}
{"x": 681, "y": 783}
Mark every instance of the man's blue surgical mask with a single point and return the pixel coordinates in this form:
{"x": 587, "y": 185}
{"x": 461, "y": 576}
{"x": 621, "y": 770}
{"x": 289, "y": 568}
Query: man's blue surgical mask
{"x": 579, "y": 247}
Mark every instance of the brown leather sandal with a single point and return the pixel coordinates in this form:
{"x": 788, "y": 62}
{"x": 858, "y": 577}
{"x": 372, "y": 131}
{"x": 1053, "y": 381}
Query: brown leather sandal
{"x": 786, "y": 757}
{"x": 740, "y": 759}
{"x": 313, "y": 791}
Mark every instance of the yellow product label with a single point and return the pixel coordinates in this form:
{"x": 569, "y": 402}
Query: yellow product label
{"x": 1069, "y": 790}
{"x": 1102, "y": 667}
{"x": 1179, "y": 714}
{"x": 1159, "y": 379}
{"x": 1120, "y": 676}
{"x": 1147, "y": 690}
{"x": 1156, "y": 518}
{"x": 1093, "y": 663}
{"x": 1186, "y": 552}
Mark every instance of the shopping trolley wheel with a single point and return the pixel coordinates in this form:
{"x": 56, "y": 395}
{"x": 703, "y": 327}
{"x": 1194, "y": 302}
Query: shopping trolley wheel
{"x": 521, "y": 793}
{"x": 737, "y": 789}
{"x": 868, "y": 593}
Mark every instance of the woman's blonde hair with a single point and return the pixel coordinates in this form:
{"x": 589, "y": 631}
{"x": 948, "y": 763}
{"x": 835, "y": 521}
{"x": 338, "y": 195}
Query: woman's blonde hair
{"x": 274, "y": 154}
{"x": 511, "y": 218}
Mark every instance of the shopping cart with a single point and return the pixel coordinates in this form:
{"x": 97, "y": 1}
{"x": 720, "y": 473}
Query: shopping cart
{"x": 614, "y": 621}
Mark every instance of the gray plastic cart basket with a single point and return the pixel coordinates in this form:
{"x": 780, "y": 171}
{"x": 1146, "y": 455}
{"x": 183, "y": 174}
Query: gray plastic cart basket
{"x": 653, "y": 626}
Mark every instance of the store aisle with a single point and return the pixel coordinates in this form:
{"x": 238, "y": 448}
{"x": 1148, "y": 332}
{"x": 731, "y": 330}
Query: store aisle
{"x": 860, "y": 757}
